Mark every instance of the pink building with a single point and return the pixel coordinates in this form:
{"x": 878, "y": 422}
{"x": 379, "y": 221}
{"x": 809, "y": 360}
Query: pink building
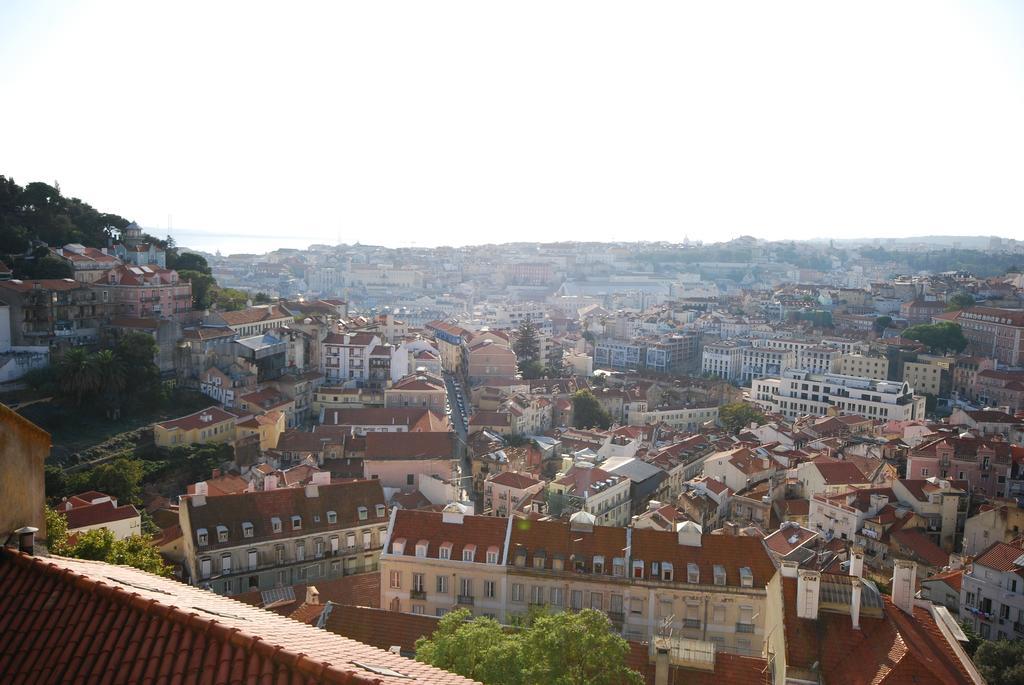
{"x": 404, "y": 460}
{"x": 150, "y": 292}
{"x": 983, "y": 462}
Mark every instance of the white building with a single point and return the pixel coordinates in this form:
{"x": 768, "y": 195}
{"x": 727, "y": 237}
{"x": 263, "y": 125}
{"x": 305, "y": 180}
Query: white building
{"x": 724, "y": 359}
{"x": 797, "y": 393}
{"x": 759, "y": 362}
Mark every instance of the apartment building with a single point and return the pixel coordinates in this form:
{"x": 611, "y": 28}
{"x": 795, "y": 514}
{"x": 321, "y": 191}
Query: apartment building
{"x": 992, "y": 592}
{"x": 88, "y": 264}
{"x": 56, "y": 312}
{"x": 819, "y": 359}
{"x": 486, "y": 359}
{"x": 505, "y": 491}
{"x": 417, "y": 390}
{"x": 210, "y": 425}
{"x": 345, "y": 357}
{"x": 930, "y": 375}
{"x": 864, "y": 366}
{"x": 150, "y": 292}
{"x": 991, "y": 332}
{"x": 1000, "y": 388}
{"x": 799, "y": 392}
{"x": 282, "y": 536}
{"x": 449, "y": 338}
{"x": 588, "y": 488}
{"x": 984, "y": 463}
{"x": 724, "y": 359}
{"x": 760, "y": 362}
{"x": 252, "y": 320}
{"x": 707, "y": 588}
{"x": 682, "y": 417}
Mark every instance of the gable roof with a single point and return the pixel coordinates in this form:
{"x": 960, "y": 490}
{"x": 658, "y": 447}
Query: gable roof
{"x": 1001, "y": 556}
{"x": 253, "y": 315}
{"x": 415, "y": 525}
{"x": 98, "y": 514}
{"x": 106, "y": 623}
{"x": 426, "y": 445}
{"x": 732, "y": 552}
{"x": 839, "y": 472}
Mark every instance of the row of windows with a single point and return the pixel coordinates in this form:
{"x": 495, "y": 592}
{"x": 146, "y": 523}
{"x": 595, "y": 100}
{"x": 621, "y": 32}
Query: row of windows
{"x": 203, "y": 535}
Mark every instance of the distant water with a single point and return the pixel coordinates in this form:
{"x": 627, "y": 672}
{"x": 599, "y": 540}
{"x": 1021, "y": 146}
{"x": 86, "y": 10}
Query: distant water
{"x": 236, "y": 243}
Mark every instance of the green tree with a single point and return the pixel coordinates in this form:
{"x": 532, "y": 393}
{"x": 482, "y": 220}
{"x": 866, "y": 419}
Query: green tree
{"x": 119, "y": 478}
{"x": 881, "y": 323}
{"x": 261, "y": 298}
{"x": 230, "y": 300}
{"x": 973, "y": 639}
{"x": 527, "y": 344}
{"x": 93, "y": 544}
{"x": 113, "y": 379}
{"x": 77, "y": 376}
{"x": 1001, "y": 662}
{"x": 478, "y": 649}
{"x": 203, "y": 288}
{"x": 960, "y": 301}
{"x": 939, "y": 338}
{"x": 576, "y": 649}
{"x": 56, "y": 532}
{"x": 736, "y": 416}
{"x": 52, "y": 267}
{"x": 137, "y": 352}
{"x": 99, "y": 545}
{"x": 531, "y": 369}
{"x": 189, "y": 261}
{"x": 138, "y": 551}
{"x": 587, "y": 412}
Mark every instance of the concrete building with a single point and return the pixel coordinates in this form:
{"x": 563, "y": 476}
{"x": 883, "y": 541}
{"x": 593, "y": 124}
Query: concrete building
{"x": 724, "y": 359}
{"x": 991, "y": 332}
{"x": 590, "y": 489}
{"x": 760, "y": 362}
{"x": 93, "y": 510}
{"x": 56, "y": 312}
{"x": 417, "y": 390}
{"x": 992, "y": 592}
{"x": 864, "y": 366}
{"x": 210, "y": 425}
{"x": 798, "y": 393}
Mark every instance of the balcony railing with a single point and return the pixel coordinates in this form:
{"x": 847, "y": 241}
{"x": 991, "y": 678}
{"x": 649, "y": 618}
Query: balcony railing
{"x": 466, "y": 600}
{"x": 417, "y": 594}
{"x": 744, "y": 627}
{"x": 616, "y": 616}
{"x": 691, "y": 623}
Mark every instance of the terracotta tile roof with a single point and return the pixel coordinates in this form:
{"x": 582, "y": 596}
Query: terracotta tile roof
{"x": 252, "y": 315}
{"x": 207, "y": 332}
{"x": 1001, "y": 556}
{"x": 414, "y": 418}
{"x": 295, "y": 440}
{"x": 917, "y": 542}
{"x": 795, "y": 507}
{"x": 379, "y": 627}
{"x": 419, "y": 382}
{"x": 193, "y": 421}
{"x": 511, "y": 479}
{"x": 411, "y": 500}
{"x": 839, "y": 472}
{"x": 415, "y": 525}
{"x": 134, "y": 322}
{"x": 557, "y": 539}
{"x": 785, "y": 540}
{"x": 489, "y": 418}
{"x": 98, "y": 514}
{"x": 583, "y": 482}
{"x": 730, "y": 669}
{"x": 732, "y": 552}
{"x": 70, "y": 620}
{"x": 433, "y": 445}
{"x": 954, "y": 578}
{"x": 361, "y": 588}
{"x": 21, "y": 286}
{"x": 259, "y": 508}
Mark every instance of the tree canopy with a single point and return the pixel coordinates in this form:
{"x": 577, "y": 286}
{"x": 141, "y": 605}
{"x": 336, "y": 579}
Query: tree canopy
{"x": 881, "y": 323}
{"x": 188, "y": 261}
{"x": 562, "y": 648}
{"x": 939, "y": 338}
{"x": 109, "y": 381}
{"x": 1001, "y": 662}
{"x": 736, "y": 416}
{"x": 587, "y": 412}
{"x": 960, "y": 301}
{"x": 99, "y": 545}
{"x": 527, "y": 347}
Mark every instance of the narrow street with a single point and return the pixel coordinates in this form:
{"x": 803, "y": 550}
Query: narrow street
{"x": 459, "y": 407}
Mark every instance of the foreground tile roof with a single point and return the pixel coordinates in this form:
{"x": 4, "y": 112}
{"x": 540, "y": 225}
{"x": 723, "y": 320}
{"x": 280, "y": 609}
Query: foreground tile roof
{"x": 378, "y": 627}
{"x": 69, "y": 620}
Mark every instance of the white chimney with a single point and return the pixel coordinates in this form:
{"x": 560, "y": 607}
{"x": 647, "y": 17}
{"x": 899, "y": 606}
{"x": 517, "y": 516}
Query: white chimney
{"x": 270, "y": 482}
{"x": 904, "y": 581}
{"x": 689, "y": 534}
{"x": 312, "y": 490}
{"x": 322, "y": 477}
{"x": 857, "y": 561}
{"x": 789, "y": 569}
{"x": 855, "y": 603}
{"x": 808, "y": 590}
{"x": 312, "y": 595}
{"x": 662, "y": 663}
{"x": 202, "y": 489}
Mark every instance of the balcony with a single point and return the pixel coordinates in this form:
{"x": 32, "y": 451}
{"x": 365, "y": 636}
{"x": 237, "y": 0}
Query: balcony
{"x": 744, "y": 627}
{"x": 465, "y": 600}
{"x": 616, "y": 616}
{"x": 691, "y": 623}
{"x": 417, "y": 594}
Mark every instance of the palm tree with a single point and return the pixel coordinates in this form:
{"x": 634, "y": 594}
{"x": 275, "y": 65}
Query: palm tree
{"x": 78, "y": 375}
{"x": 113, "y": 376}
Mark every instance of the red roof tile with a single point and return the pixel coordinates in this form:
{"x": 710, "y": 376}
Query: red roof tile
{"x": 729, "y": 551}
{"x": 98, "y": 514}
{"x": 484, "y": 532}
{"x": 428, "y": 445}
{"x": 1001, "y": 556}
{"x": 70, "y": 620}
{"x": 379, "y": 627}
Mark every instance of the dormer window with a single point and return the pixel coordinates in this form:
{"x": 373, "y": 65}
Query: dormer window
{"x": 363, "y": 513}
{"x": 222, "y": 533}
{"x": 382, "y": 511}
{"x": 692, "y": 573}
{"x": 719, "y": 574}
{"x": 492, "y": 555}
{"x": 557, "y": 563}
{"x": 469, "y": 553}
{"x": 539, "y": 557}
{"x": 332, "y": 517}
{"x": 296, "y": 523}
{"x": 202, "y": 537}
{"x": 666, "y": 571}
{"x": 445, "y": 551}
{"x": 598, "y": 564}
{"x": 421, "y": 548}
{"x": 746, "y": 577}
{"x": 638, "y": 569}
{"x": 520, "y": 557}
{"x": 247, "y": 529}
{"x": 398, "y": 546}
{"x": 275, "y": 524}
{"x": 618, "y": 567}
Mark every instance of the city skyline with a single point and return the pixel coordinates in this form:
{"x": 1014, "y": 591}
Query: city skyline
{"x": 463, "y": 124}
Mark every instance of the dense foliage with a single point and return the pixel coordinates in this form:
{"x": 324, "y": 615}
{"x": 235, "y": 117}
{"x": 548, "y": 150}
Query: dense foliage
{"x": 562, "y": 648}
{"x": 1001, "y": 662}
{"x": 108, "y": 381}
{"x": 736, "y": 416}
{"x": 939, "y": 338}
{"x": 587, "y": 412}
{"x": 99, "y": 545}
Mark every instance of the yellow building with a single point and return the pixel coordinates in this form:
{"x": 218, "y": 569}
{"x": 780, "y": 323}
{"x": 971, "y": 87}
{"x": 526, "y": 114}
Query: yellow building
{"x": 267, "y": 426}
{"x": 929, "y": 375}
{"x": 864, "y": 366}
{"x": 210, "y": 425}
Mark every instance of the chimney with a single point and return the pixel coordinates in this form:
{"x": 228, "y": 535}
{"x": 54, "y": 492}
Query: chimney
{"x": 857, "y": 561}
{"x": 808, "y": 590}
{"x": 312, "y": 490}
{"x": 312, "y": 595}
{"x": 653, "y": 505}
{"x": 855, "y": 602}
{"x": 202, "y": 488}
{"x": 789, "y": 569}
{"x": 661, "y": 663}
{"x": 904, "y": 581}
{"x": 322, "y": 477}
{"x": 27, "y": 539}
{"x": 270, "y": 482}
{"x": 216, "y": 473}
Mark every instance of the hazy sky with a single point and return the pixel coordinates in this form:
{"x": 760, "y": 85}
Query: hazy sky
{"x": 469, "y": 122}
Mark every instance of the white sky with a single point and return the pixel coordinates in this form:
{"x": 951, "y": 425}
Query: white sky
{"x": 473, "y": 122}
